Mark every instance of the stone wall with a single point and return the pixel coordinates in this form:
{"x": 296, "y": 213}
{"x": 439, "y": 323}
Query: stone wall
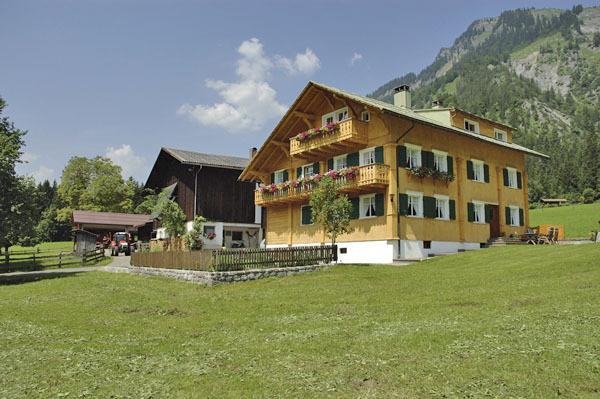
{"x": 214, "y": 278}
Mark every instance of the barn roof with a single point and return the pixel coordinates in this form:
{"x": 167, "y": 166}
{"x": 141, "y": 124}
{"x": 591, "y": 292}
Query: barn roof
{"x": 109, "y": 218}
{"x": 199, "y": 158}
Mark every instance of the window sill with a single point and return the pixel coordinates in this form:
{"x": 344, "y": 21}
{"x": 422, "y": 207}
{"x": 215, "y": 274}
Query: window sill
{"x": 366, "y": 217}
{"x": 415, "y": 216}
{"x": 478, "y": 181}
{"x": 514, "y": 188}
{"x": 443, "y": 219}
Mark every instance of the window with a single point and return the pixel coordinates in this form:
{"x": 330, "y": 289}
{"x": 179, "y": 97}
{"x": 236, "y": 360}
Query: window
{"x": 413, "y": 156}
{"x": 514, "y": 216}
{"x": 471, "y": 126}
{"x": 500, "y": 135}
{"x": 279, "y": 176}
{"x": 340, "y": 162}
{"x": 426, "y": 244}
{"x": 442, "y": 207}
{"x": 335, "y": 116}
{"x": 478, "y": 171}
{"x": 440, "y": 161}
{"x": 367, "y": 157}
{"x": 367, "y": 206}
{"x": 365, "y": 116}
{"x": 307, "y": 170}
{"x": 236, "y": 236}
{"x": 415, "y": 204}
{"x": 306, "y": 215}
{"x": 479, "y": 208}
{"x": 209, "y": 230}
{"x": 512, "y": 178}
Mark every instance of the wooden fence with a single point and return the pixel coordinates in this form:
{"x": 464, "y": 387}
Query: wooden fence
{"x": 28, "y": 261}
{"x": 236, "y": 259}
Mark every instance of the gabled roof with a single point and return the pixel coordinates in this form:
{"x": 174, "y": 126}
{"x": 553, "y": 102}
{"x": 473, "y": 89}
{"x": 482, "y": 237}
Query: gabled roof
{"x": 110, "y": 218}
{"x": 386, "y": 108}
{"x": 199, "y": 158}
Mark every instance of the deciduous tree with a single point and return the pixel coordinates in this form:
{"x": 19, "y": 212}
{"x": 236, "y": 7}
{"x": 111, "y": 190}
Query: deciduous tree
{"x": 330, "y": 209}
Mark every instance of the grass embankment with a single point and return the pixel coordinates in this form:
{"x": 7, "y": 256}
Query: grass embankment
{"x": 46, "y": 257}
{"x": 505, "y": 322}
{"x": 579, "y": 220}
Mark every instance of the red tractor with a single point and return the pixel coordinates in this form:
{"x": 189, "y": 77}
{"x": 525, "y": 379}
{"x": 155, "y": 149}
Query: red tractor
{"x": 121, "y": 243}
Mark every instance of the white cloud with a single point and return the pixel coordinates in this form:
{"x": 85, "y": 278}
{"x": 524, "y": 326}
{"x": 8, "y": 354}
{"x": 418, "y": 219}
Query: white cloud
{"x": 130, "y": 163}
{"x": 43, "y": 173}
{"x": 249, "y": 103}
{"x": 356, "y": 57}
{"x": 306, "y": 63}
{"x": 28, "y": 157}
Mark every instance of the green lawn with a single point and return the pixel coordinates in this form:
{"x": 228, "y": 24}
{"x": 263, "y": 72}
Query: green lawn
{"x": 50, "y": 247}
{"x": 518, "y": 321}
{"x": 579, "y": 220}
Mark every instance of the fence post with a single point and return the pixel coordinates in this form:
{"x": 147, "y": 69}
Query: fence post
{"x": 7, "y": 260}
{"x": 33, "y": 257}
{"x": 60, "y": 260}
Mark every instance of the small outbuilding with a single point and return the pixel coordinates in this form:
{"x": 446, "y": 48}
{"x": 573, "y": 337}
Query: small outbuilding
{"x": 104, "y": 224}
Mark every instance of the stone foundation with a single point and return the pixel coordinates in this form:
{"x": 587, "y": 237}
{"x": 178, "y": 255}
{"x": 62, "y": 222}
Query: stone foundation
{"x": 214, "y": 278}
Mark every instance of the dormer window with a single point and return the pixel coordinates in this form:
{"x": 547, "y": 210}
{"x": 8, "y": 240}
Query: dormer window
{"x": 471, "y": 126}
{"x": 500, "y": 135}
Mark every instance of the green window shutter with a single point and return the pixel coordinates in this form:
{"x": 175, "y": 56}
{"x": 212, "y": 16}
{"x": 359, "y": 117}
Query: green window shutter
{"x": 272, "y": 178}
{"x": 429, "y": 207}
{"x": 286, "y": 175}
{"x": 403, "y": 204}
{"x": 401, "y": 156}
{"x": 486, "y": 173}
{"x": 519, "y": 180}
{"x": 378, "y": 154}
{"x": 507, "y": 216}
{"x": 306, "y": 215}
{"x": 489, "y": 213}
{"x": 330, "y": 164}
{"x": 470, "y": 171}
{"x": 352, "y": 159}
{"x": 450, "y": 165}
{"x": 298, "y": 172}
{"x": 316, "y": 168}
{"x": 471, "y": 211}
{"x": 521, "y": 217}
{"x": 505, "y": 174}
{"x": 452, "y": 206}
{"x": 379, "y": 205}
{"x": 355, "y": 213}
{"x": 429, "y": 161}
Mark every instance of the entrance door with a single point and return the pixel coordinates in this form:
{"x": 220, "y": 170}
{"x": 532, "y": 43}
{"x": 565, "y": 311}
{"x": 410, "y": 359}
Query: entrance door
{"x": 495, "y": 222}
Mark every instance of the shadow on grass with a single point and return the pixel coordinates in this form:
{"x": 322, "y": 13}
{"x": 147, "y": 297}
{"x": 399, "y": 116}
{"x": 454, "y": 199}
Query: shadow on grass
{"x": 33, "y": 276}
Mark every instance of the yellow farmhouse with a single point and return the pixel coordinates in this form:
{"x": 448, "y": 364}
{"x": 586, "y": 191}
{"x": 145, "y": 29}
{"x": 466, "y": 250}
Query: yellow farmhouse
{"x": 421, "y": 181}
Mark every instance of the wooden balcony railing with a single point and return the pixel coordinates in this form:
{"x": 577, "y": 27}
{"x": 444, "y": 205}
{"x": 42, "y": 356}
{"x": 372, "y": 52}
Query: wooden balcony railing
{"x": 350, "y": 133}
{"x": 368, "y": 177}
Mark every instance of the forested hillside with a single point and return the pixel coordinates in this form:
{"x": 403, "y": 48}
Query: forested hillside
{"x": 537, "y": 70}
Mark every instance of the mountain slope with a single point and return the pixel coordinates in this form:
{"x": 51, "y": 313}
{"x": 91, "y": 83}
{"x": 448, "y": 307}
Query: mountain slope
{"x": 538, "y": 70}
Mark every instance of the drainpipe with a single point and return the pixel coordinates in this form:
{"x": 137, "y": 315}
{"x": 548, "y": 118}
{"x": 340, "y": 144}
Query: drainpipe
{"x": 196, "y": 192}
{"x": 398, "y": 181}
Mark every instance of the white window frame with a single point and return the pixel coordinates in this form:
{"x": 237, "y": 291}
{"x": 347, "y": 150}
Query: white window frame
{"x": 479, "y": 212}
{"x": 278, "y": 176}
{"x": 445, "y": 206}
{"x": 413, "y": 156}
{"x": 514, "y": 216}
{"x": 478, "y": 170}
{"x": 335, "y": 116}
{"x": 512, "y": 178}
{"x": 365, "y": 116}
{"x": 339, "y": 158}
{"x": 362, "y": 153}
{"x": 303, "y": 173}
{"x": 501, "y": 135}
{"x": 302, "y": 224}
{"x": 415, "y": 198}
{"x": 365, "y": 202}
{"x": 443, "y": 166}
{"x": 472, "y": 122}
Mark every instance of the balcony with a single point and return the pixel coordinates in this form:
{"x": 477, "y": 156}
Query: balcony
{"x": 366, "y": 179}
{"x": 347, "y": 136}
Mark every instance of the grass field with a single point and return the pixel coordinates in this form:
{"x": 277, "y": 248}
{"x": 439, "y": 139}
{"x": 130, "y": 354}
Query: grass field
{"x": 49, "y": 247}
{"x": 505, "y": 322}
{"x": 579, "y": 220}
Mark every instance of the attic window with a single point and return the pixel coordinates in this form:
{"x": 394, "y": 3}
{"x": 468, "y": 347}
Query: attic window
{"x": 365, "y": 116}
{"x": 335, "y": 116}
{"x": 471, "y": 126}
{"x": 500, "y": 135}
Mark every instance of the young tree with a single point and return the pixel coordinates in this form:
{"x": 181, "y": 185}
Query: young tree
{"x": 172, "y": 219}
{"x": 195, "y": 237}
{"x": 18, "y": 225}
{"x": 330, "y": 209}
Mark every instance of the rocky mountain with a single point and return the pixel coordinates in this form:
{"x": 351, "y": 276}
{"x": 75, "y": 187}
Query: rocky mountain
{"x": 538, "y": 70}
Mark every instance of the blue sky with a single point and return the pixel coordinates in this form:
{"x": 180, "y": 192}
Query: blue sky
{"x": 123, "y": 78}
